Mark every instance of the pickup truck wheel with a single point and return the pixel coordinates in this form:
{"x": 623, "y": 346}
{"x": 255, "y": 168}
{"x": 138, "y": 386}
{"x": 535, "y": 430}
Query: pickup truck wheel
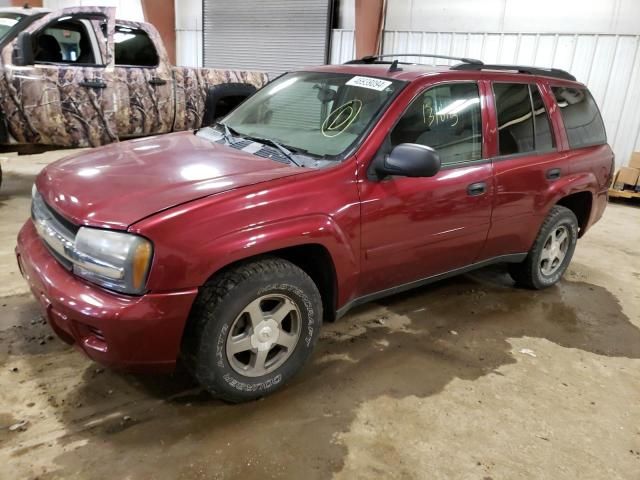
{"x": 252, "y": 329}
{"x": 551, "y": 252}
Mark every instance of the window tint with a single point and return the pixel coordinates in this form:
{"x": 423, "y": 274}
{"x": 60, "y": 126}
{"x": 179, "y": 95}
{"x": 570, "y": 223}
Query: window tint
{"x": 65, "y": 42}
{"x": 515, "y": 125}
{"x": 545, "y": 140}
{"x": 581, "y": 117}
{"x": 134, "y": 47}
{"x": 446, "y": 118}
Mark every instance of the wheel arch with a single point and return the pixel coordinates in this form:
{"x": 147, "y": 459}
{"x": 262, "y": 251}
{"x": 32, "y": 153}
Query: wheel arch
{"x": 577, "y": 193}
{"x": 313, "y": 258}
{"x": 581, "y": 204}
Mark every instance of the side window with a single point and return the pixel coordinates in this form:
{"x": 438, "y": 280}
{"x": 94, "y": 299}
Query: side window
{"x": 447, "y": 119}
{"x": 515, "y": 125}
{"x": 580, "y": 116}
{"x": 133, "y": 47}
{"x": 545, "y": 140}
{"x": 68, "y": 41}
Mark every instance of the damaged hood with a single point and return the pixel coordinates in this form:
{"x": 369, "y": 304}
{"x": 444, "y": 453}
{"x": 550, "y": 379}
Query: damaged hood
{"x": 117, "y": 185}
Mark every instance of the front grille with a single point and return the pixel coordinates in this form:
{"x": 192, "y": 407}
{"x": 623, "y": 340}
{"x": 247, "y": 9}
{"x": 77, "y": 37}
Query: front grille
{"x": 56, "y": 232}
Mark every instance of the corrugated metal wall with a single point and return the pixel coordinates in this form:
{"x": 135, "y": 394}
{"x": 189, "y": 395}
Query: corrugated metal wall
{"x": 268, "y": 35}
{"x": 608, "y": 64}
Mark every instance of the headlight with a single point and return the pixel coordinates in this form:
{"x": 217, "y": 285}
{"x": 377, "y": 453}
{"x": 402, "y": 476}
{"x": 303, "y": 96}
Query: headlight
{"x": 115, "y": 260}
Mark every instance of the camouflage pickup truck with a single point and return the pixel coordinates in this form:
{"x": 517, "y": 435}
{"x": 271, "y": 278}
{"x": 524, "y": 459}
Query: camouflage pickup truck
{"x": 77, "y": 77}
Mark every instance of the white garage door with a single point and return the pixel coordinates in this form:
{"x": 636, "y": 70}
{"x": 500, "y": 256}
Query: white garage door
{"x": 268, "y": 35}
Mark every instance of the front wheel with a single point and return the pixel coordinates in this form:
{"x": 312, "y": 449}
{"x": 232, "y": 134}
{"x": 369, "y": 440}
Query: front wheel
{"x": 252, "y": 329}
{"x": 551, "y": 253}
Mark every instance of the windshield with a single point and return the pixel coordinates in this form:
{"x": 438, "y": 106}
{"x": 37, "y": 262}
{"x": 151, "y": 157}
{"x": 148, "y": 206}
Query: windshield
{"x": 320, "y": 114}
{"x": 7, "y": 22}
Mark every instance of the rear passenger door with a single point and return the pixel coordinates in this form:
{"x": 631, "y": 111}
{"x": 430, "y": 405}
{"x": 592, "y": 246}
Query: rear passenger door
{"x": 143, "y": 81}
{"x": 526, "y": 163}
{"x": 414, "y": 228}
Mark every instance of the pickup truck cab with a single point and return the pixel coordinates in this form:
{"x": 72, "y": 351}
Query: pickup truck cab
{"x": 77, "y": 77}
{"x": 329, "y": 187}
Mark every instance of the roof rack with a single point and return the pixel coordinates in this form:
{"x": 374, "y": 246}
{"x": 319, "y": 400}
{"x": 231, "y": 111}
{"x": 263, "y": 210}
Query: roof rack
{"x": 377, "y": 58}
{"x": 547, "y": 72}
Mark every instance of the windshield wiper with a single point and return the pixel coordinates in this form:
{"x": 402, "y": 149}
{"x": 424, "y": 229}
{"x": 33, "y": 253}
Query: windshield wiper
{"x": 267, "y": 141}
{"x": 228, "y": 131}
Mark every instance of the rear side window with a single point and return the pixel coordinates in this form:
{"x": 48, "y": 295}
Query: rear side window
{"x": 581, "y": 117}
{"x": 134, "y": 47}
{"x": 515, "y": 123}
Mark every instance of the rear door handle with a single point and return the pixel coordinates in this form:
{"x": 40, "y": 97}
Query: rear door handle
{"x": 157, "y": 81}
{"x": 553, "y": 174}
{"x": 93, "y": 84}
{"x": 478, "y": 188}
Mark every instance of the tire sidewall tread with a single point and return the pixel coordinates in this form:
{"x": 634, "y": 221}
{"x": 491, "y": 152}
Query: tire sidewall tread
{"x": 215, "y": 310}
{"x": 528, "y": 272}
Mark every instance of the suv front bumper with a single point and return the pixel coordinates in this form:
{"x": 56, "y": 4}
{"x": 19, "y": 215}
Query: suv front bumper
{"x": 126, "y": 332}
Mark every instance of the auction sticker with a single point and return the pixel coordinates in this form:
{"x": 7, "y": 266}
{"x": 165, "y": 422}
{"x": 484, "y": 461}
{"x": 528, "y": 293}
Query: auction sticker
{"x": 368, "y": 82}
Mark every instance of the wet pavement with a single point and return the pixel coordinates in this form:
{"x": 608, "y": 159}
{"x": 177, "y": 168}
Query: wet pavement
{"x": 467, "y": 378}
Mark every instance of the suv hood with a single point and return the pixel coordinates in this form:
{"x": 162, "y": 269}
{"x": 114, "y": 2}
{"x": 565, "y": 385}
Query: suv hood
{"x": 117, "y": 185}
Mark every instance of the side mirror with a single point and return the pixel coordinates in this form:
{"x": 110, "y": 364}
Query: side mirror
{"x": 410, "y": 160}
{"x": 23, "y": 51}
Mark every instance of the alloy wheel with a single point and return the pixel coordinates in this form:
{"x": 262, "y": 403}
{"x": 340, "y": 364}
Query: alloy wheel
{"x": 264, "y": 335}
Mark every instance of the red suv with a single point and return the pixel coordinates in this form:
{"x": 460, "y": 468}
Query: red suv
{"x": 329, "y": 187}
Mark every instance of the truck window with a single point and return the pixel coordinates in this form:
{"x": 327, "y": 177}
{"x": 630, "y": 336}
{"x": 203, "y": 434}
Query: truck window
{"x": 545, "y": 140}
{"x": 580, "y": 116}
{"x": 8, "y": 20}
{"x": 515, "y": 125}
{"x": 447, "y": 119}
{"x": 66, "y": 41}
{"x": 133, "y": 47}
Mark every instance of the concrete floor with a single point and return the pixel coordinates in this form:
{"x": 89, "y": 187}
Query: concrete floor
{"x": 469, "y": 378}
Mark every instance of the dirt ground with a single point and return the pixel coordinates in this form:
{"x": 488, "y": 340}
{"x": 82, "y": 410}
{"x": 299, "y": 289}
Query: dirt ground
{"x": 469, "y": 378}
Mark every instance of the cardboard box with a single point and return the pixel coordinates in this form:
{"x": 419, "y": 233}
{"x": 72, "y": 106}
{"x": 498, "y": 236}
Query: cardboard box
{"x": 627, "y": 176}
{"x": 634, "y": 162}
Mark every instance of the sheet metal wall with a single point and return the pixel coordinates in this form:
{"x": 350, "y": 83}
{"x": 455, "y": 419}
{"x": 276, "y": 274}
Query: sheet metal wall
{"x": 609, "y": 64}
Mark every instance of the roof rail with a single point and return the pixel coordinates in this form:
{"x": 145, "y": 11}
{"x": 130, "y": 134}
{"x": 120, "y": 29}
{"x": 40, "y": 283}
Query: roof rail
{"x": 547, "y": 72}
{"x": 377, "y": 58}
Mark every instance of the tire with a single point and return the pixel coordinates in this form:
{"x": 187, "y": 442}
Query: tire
{"x": 539, "y": 270}
{"x": 244, "y": 310}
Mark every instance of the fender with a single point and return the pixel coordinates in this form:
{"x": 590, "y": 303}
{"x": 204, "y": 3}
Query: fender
{"x": 570, "y": 184}
{"x": 563, "y": 187}
{"x": 217, "y": 253}
{"x": 296, "y": 231}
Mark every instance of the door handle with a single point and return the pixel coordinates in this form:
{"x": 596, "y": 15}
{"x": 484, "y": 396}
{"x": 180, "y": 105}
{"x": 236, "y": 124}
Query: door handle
{"x": 93, "y": 84}
{"x": 478, "y": 188}
{"x": 553, "y": 174}
{"x": 157, "y": 81}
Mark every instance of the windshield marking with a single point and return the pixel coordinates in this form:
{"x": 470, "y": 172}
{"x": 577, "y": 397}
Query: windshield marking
{"x": 331, "y": 127}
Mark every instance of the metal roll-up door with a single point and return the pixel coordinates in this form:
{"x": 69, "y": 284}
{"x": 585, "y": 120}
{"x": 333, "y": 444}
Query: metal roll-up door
{"x": 268, "y": 35}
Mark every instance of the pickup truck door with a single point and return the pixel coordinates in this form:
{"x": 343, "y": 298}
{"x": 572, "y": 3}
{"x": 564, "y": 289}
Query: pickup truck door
{"x": 144, "y": 81}
{"x": 66, "y": 97}
{"x": 415, "y": 228}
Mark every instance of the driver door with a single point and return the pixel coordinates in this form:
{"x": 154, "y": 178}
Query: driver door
{"x": 66, "y": 97}
{"x": 415, "y": 228}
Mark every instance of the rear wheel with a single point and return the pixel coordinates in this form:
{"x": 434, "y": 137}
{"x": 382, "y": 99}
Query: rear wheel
{"x": 252, "y": 329}
{"x": 551, "y": 253}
